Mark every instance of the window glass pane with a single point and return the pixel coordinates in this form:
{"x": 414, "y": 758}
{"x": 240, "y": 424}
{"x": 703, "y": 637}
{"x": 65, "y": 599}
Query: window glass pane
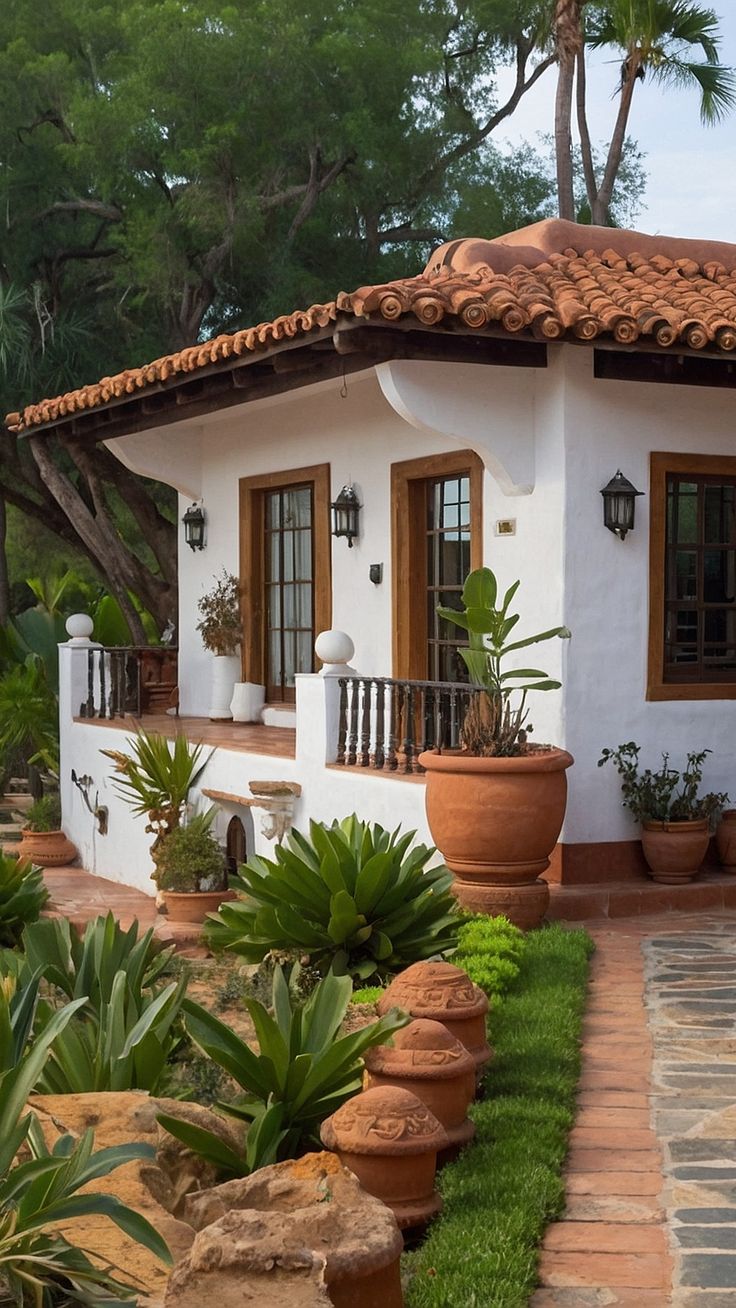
{"x": 274, "y": 658}
{"x": 273, "y": 556}
{"x": 718, "y": 576}
{"x": 289, "y": 657}
{"x": 718, "y": 515}
{"x": 451, "y": 561}
{"x": 287, "y": 539}
{"x": 273, "y": 509}
{"x": 686, "y": 568}
{"x": 303, "y": 606}
{"x": 687, "y": 512}
{"x": 450, "y": 515}
{"x": 303, "y": 555}
{"x": 289, "y": 606}
{"x": 273, "y": 604}
{"x": 304, "y": 650}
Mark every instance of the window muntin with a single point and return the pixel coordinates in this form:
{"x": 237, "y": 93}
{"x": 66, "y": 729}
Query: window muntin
{"x": 700, "y": 578}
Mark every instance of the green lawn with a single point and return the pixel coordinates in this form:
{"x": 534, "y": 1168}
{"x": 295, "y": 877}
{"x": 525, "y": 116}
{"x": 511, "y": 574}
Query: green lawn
{"x": 506, "y": 1187}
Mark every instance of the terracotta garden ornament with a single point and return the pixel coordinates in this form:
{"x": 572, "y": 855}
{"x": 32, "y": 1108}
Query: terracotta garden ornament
{"x": 443, "y": 993}
{"x": 390, "y": 1140}
{"x": 433, "y": 1065}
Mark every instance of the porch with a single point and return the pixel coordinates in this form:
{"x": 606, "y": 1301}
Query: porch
{"x": 242, "y": 737}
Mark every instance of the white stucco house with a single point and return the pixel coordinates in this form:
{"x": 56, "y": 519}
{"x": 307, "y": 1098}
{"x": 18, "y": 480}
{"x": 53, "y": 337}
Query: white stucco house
{"x": 477, "y": 411}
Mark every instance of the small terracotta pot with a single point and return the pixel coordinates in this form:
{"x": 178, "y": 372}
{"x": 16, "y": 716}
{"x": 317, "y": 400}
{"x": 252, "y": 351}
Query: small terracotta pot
{"x": 194, "y": 905}
{"x": 675, "y": 850}
{"x": 433, "y": 1065}
{"x": 443, "y": 993}
{"x": 726, "y": 839}
{"x": 46, "y": 848}
{"x": 390, "y": 1140}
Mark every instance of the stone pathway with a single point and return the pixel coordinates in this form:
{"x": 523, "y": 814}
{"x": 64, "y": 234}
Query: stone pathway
{"x": 650, "y": 1214}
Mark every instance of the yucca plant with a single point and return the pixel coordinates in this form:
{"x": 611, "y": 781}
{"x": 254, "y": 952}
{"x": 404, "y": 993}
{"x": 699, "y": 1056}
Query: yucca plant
{"x": 87, "y": 965}
{"x": 38, "y": 1267}
{"x": 353, "y": 897}
{"x": 156, "y": 777}
{"x": 22, "y": 896}
{"x": 304, "y": 1071}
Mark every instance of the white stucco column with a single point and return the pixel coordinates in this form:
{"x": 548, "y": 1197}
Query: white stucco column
{"x": 318, "y": 699}
{"x": 73, "y": 686}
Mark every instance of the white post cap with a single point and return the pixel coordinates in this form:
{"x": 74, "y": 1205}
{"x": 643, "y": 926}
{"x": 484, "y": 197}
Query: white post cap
{"x": 79, "y": 628}
{"x": 335, "y": 649}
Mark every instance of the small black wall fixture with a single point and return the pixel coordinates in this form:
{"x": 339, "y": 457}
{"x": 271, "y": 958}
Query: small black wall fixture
{"x": 619, "y": 503}
{"x": 100, "y": 812}
{"x": 194, "y": 521}
{"x": 346, "y": 514}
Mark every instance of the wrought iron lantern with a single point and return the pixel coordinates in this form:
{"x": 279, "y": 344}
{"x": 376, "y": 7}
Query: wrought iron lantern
{"x": 346, "y": 514}
{"x": 194, "y": 521}
{"x": 619, "y": 502}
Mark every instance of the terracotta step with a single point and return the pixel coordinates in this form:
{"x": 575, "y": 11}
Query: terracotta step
{"x": 712, "y": 890}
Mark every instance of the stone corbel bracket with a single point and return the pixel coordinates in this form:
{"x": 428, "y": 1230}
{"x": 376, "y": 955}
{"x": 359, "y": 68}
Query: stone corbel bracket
{"x": 276, "y": 798}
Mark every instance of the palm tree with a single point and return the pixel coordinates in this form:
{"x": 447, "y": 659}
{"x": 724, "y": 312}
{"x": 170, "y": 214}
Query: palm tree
{"x": 672, "y": 41}
{"x": 568, "y": 38}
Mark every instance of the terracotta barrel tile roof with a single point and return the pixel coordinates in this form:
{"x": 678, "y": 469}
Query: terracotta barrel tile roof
{"x": 548, "y": 282}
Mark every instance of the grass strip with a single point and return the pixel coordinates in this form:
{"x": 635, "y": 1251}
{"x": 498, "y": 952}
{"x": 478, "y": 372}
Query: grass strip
{"x": 504, "y": 1189}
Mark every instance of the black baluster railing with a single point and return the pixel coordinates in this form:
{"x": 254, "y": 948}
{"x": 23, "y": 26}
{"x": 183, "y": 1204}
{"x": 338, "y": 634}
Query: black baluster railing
{"x": 129, "y": 681}
{"x": 386, "y": 724}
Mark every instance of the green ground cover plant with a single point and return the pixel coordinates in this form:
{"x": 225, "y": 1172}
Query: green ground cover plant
{"x": 352, "y": 897}
{"x": 501, "y": 1193}
{"x": 22, "y": 896}
{"x": 490, "y": 950}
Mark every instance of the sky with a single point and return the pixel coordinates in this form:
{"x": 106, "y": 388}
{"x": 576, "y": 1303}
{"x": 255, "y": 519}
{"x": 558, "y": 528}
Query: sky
{"x": 691, "y": 169}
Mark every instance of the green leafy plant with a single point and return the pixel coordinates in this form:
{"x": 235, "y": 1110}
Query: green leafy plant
{"x": 190, "y": 859}
{"x": 221, "y": 623}
{"x": 496, "y": 721}
{"x": 654, "y": 796}
{"x": 304, "y": 1071}
{"x": 40, "y": 1190}
{"x": 353, "y": 897}
{"x": 29, "y": 725}
{"x": 490, "y": 949}
{"x": 44, "y": 814}
{"x": 155, "y": 779}
{"x": 22, "y": 896}
{"x": 86, "y": 965}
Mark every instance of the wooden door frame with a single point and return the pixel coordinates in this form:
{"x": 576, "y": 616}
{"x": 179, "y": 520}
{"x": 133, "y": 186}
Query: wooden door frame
{"x": 408, "y": 546}
{"x": 251, "y": 491}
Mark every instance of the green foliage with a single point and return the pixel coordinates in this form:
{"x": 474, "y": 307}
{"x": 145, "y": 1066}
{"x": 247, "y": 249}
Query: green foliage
{"x": 490, "y": 950}
{"x": 22, "y": 896}
{"x": 495, "y": 724}
{"x": 86, "y": 966}
{"x": 305, "y": 1070}
{"x": 353, "y": 897}
{"x": 221, "y": 622}
{"x": 653, "y": 796}
{"x": 45, "y": 814}
{"x": 41, "y": 1189}
{"x": 29, "y": 724}
{"x": 501, "y": 1192}
{"x": 367, "y": 994}
{"x": 190, "y": 859}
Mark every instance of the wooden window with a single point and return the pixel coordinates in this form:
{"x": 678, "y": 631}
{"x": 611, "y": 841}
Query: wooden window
{"x": 437, "y": 506}
{"x": 692, "y": 640}
{"x": 285, "y": 570}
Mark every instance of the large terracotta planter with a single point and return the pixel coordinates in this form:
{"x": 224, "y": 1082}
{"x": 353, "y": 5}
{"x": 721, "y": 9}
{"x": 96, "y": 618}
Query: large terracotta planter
{"x": 496, "y": 822}
{"x": 46, "y": 848}
{"x": 726, "y": 839}
{"x": 674, "y": 850}
{"x": 194, "y": 905}
{"x": 433, "y": 1065}
{"x": 390, "y": 1140}
{"x": 443, "y": 993}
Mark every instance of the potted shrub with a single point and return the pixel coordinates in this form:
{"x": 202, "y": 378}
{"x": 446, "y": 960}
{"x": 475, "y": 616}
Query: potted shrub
{"x": 42, "y": 839}
{"x": 192, "y": 874}
{"x": 495, "y": 805}
{"x": 220, "y": 627}
{"x": 676, "y": 820}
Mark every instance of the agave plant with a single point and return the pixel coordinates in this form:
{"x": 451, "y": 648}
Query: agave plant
{"x": 87, "y": 965}
{"x": 38, "y": 1266}
{"x": 353, "y": 897}
{"x": 22, "y": 896}
{"x": 304, "y": 1071}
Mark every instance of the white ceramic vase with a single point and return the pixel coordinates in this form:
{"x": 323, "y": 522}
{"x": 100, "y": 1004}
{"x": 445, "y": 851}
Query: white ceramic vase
{"x": 225, "y": 670}
{"x": 247, "y": 702}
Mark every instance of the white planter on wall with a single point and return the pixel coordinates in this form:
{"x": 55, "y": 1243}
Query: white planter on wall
{"x": 247, "y": 701}
{"x": 225, "y": 670}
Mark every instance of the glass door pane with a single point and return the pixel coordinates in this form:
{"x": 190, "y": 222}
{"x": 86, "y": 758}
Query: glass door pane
{"x": 289, "y": 585}
{"x": 448, "y": 564}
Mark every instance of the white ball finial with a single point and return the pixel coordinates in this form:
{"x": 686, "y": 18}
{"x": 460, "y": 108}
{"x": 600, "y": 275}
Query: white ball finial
{"x": 335, "y": 649}
{"x": 79, "y": 628}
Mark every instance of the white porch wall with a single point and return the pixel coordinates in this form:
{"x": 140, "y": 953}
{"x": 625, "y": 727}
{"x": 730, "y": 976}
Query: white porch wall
{"x": 611, "y": 425}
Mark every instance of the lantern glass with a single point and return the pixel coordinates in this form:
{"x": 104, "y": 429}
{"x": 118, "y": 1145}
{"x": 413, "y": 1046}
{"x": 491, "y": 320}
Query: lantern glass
{"x": 619, "y": 503}
{"x": 346, "y": 515}
{"x": 194, "y": 521}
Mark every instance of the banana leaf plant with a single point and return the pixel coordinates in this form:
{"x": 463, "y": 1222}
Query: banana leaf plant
{"x": 305, "y": 1070}
{"x": 496, "y": 721}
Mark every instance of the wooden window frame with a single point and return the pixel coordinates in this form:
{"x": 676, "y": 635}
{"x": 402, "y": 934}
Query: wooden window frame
{"x": 660, "y": 465}
{"x": 408, "y": 537}
{"x": 252, "y": 500}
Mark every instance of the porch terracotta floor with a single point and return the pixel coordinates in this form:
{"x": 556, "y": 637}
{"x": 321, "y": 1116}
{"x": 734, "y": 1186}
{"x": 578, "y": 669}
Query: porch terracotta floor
{"x": 80, "y": 897}
{"x": 248, "y": 737}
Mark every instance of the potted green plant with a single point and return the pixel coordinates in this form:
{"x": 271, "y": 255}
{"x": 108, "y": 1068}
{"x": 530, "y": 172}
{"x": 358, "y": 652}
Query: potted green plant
{"x": 495, "y": 806}
{"x": 42, "y": 839}
{"x": 220, "y": 627}
{"x": 192, "y": 873}
{"x": 676, "y": 819}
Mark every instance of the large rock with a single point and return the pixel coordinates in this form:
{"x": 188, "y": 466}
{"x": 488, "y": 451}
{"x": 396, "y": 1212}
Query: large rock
{"x": 119, "y": 1118}
{"x": 302, "y": 1234}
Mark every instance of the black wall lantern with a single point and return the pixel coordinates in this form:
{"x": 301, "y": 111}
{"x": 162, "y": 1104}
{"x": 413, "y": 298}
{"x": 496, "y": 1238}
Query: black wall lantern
{"x": 194, "y": 521}
{"x": 619, "y": 501}
{"x": 346, "y": 515}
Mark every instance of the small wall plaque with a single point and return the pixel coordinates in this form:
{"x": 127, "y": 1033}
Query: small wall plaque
{"x": 506, "y": 527}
